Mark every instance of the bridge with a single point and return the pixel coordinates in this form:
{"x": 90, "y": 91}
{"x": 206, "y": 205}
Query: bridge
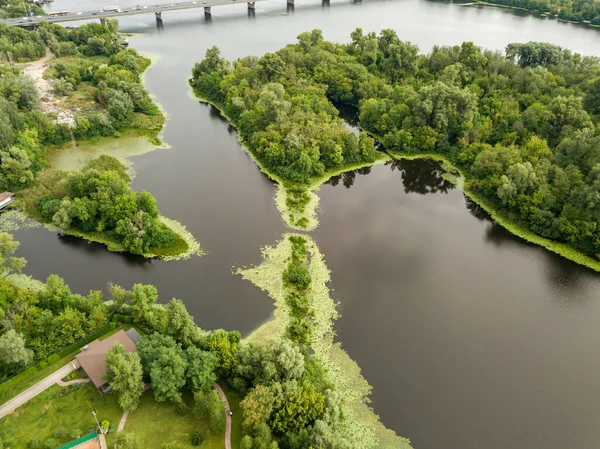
{"x": 158, "y": 9}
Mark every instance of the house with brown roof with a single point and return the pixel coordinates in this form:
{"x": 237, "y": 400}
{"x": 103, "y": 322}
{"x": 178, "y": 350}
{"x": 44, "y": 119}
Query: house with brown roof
{"x": 91, "y": 358}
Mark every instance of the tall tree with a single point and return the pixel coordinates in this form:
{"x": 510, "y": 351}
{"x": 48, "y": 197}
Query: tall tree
{"x": 201, "y": 367}
{"x": 181, "y": 324}
{"x": 124, "y": 375}
{"x": 8, "y": 263}
{"x": 13, "y": 352}
{"x": 167, "y": 373}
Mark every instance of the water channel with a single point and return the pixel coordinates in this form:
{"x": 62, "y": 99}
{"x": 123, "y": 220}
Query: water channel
{"x": 470, "y": 337}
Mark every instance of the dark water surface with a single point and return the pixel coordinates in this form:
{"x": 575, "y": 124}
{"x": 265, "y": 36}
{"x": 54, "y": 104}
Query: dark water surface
{"x": 470, "y": 337}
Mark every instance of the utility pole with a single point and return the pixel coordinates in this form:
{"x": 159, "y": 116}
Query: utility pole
{"x": 96, "y": 418}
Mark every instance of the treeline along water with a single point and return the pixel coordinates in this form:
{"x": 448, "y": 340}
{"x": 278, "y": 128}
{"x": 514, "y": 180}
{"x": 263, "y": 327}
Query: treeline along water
{"x": 470, "y": 337}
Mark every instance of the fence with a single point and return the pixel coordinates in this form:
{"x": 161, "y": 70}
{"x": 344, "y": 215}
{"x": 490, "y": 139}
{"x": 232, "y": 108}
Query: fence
{"x": 78, "y": 441}
{"x": 110, "y": 325}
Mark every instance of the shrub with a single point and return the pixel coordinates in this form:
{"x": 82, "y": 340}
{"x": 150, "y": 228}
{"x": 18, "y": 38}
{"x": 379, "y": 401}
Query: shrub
{"x": 61, "y": 432}
{"x": 75, "y": 434}
{"x": 182, "y": 409}
{"x": 51, "y": 443}
{"x": 197, "y": 437}
{"x": 35, "y": 443}
{"x": 106, "y": 424}
{"x": 127, "y": 441}
{"x": 298, "y": 274}
{"x": 63, "y": 87}
{"x": 246, "y": 442}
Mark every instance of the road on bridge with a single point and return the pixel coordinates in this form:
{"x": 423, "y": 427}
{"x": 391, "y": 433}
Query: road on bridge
{"x": 146, "y": 9}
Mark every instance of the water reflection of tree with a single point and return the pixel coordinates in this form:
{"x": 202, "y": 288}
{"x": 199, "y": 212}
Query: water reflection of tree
{"x": 348, "y": 177}
{"x": 421, "y": 176}
{"x": 93, "y": 249}
{"x": 563, "y": 274}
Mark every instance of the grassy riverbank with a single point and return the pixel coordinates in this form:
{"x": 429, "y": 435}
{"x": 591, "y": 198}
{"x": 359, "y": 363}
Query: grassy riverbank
{"x": 551, "y": 13}
{"x": 502, "y": 219}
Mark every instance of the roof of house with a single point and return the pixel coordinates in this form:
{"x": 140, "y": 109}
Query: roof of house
{"x": 5, "y": 195}
{"x": 134, "y": 335}
{"x": 92, "y": 359}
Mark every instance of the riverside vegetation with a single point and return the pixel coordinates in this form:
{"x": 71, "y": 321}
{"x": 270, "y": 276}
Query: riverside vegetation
{"x": 521, "y": 126}
{"x": 571, "y": 11}
{"x": 100, "y": 95}
{"x": 290, "y": 397}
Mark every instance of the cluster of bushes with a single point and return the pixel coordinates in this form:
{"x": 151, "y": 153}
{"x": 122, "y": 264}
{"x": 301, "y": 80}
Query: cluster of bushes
{"x": 19, "y": 8}
{"x": 99, "y": 200}
{"x": 287, "y": 121}
{"x": 18, "y": 44}
{"x": 297, "y": 281}
{"x": 523, "y": 126}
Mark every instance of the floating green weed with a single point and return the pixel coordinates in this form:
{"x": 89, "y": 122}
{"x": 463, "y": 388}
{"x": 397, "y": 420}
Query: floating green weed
{"x": 192, "y": 245}
{"x": 361, "y": 425}
{"x": 14, "y": 220}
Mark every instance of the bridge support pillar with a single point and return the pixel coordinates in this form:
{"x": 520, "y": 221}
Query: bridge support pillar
{"x": 207, "y": 11}
{"x": 158, "y": 15}
{"x": 251, "y": 6}
{"x": 325, "y": 3}
{"x": 102, "y": 21}
{"x": 290, "y": 2}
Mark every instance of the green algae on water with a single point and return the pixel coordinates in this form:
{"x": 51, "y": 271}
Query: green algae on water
{"x": 15, "y": 220}
{"x": 194, "y": 248}
{"x": 362, "y": 427}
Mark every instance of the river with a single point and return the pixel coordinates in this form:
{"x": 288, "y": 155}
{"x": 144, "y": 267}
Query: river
{"x": 470, "y": 337}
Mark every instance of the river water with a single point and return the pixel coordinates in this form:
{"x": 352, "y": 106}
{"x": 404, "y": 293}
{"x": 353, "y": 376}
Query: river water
{"x": 470, "y": 337}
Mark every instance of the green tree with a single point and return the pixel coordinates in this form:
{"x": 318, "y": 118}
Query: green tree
{"x": 257, "y": 407}
{"x": 124, "y": 375}
{"x": 8, "y": 262}
{"x": 201, "y": 366}
{"x": 15, "y": 169}
{"x": 181, "y": 324}
{"x": 167, "y": 374}
{"x": 13, "y": 352}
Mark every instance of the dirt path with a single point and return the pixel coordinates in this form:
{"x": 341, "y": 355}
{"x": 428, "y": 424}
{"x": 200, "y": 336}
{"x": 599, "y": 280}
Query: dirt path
{"x": 36, "y": 69}
{"x": 49, "y": 103}
{"x": 32, "y": 392}
{"x": 227, "y": 416}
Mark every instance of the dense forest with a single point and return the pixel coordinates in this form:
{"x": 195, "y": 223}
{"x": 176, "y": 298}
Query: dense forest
{"x": 288, "y": 122}
{"x": 575, "y": 11}
{"x": 522, "y": 125}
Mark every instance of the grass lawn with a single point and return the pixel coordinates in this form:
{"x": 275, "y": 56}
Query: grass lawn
{"x": 69, "y": 407}
{"x": 155, "y": 424}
